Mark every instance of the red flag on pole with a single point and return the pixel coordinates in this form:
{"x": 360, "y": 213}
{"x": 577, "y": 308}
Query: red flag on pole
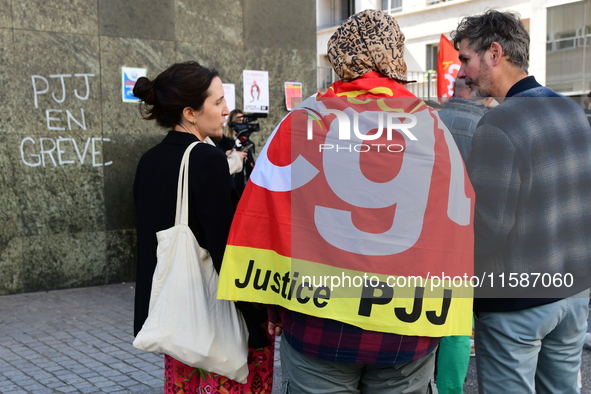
{"x": 448, "y": 66}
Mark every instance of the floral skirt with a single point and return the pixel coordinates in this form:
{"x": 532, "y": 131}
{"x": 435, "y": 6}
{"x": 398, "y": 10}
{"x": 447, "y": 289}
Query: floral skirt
{"x": 180, "y": 378}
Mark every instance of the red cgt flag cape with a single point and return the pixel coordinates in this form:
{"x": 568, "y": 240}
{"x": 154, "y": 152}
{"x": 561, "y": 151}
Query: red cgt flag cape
{"x": 358, "y": 210}
{"x": 448, "y": 66}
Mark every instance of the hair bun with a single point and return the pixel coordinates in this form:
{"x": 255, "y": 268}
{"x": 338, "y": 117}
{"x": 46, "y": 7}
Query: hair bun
{"x": 144, "y": 90}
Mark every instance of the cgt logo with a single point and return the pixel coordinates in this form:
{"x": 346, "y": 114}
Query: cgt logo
{"x": 348, "y": 182}
{"x": 385, "y": 120}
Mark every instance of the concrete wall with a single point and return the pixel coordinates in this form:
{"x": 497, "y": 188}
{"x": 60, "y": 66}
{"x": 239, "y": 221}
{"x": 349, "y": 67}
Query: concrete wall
{"x": 69, "y": 145}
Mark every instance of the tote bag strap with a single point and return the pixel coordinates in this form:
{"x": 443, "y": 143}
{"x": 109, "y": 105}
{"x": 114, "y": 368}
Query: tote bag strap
{"x": 182, "y": 199}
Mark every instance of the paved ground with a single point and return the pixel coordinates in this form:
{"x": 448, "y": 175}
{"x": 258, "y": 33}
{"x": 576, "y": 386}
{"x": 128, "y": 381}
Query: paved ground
{"x": 71, "y": 341}
{"x": 79, "y": 341}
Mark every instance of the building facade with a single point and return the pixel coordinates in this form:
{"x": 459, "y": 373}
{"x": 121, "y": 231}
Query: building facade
{"x": 560, "y": 32}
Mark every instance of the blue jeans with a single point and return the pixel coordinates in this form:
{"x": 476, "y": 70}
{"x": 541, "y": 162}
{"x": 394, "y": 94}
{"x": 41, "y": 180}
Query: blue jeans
{"x": 307, "y": 375}
{"x": 534, "y": 350}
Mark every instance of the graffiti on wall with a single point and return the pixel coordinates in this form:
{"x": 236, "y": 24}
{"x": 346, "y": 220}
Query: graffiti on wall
{"x": 57, "y": 150}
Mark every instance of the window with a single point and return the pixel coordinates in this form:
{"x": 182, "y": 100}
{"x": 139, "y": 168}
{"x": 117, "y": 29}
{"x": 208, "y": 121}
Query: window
{"x": 568, "y": 26}
{"x": 431, "y": 2}
{"x": 391, "y": 6}
{"x": 432, "y": 51}
{"x": 347, "y": 8}
{"x": 569, "y": 40}
{"x": 565, "y": 40}
{"x": 343, "y": 9}
{"x": 549, "y": 44}
{"x": 334, "y": 13}
{"x": 568, "y": 50}
{"x": 584, "y": 38}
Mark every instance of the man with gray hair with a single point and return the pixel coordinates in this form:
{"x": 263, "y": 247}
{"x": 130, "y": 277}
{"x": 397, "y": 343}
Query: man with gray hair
{"x": 461, "y": 114}
{"x": 531, "y": 171}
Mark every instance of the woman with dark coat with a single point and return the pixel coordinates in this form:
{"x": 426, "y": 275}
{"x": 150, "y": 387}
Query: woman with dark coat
{"x": 188, "y": 99}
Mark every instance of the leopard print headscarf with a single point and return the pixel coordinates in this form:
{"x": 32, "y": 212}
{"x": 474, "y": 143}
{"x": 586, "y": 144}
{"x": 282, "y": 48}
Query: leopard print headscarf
{"x": 368, "y": 41}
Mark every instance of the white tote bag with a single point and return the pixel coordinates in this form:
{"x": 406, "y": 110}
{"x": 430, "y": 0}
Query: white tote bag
{"x": 185, "y": 319}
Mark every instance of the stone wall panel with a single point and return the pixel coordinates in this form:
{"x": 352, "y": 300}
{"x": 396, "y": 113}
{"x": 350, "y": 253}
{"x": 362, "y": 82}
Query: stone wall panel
{"x": 59, "y": 261}
{"x": 7, "y": 68}
{"x": 11, "y": 261}
{"x": 121, "y": 256}
{"x": 58, "y": 79}
{"x": 61, "y": 199}
{"x": 155, "y": 56}
{"x": 10, "y": 209}
{"x": 281, "y": 24}
{"x": 11, "y": 227}
{"x": 5, "y": 14}
{"x": 227, "y": 60}
{"x": 205, "y": 22}
{"x": 72, "y": 16}
{"x": 138, "y": 19}
{"x": 124, "y": 151}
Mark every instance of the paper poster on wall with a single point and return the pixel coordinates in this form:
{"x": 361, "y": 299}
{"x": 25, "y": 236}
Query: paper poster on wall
{"x": 129, "y": 75}
{"x": 256, "y": 91}
{"x": 230, "y": 95}
{"x": 293, "y": 94}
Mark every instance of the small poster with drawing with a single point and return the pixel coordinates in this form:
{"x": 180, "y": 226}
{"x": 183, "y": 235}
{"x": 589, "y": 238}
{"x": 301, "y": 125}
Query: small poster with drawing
{"x": 256, "y": 91}
{"x": 129, "y": 75}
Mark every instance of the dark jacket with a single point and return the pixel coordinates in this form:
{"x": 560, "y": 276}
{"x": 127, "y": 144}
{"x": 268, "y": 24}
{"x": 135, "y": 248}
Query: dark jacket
{"x": 211, "y": 208}
{"x": 531, "y": 171}
{"x": 461, "y": 117}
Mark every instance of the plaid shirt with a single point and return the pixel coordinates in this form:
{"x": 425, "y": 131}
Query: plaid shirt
{"x": 335, "y": 341}
{"x": 530, "y": 167}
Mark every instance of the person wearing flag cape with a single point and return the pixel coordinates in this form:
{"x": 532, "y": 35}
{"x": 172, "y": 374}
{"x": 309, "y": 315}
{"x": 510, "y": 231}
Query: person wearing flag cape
{"x": 356, "y": 227}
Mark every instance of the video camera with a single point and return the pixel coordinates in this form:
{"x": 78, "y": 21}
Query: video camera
{"x": 245, "y": 129}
